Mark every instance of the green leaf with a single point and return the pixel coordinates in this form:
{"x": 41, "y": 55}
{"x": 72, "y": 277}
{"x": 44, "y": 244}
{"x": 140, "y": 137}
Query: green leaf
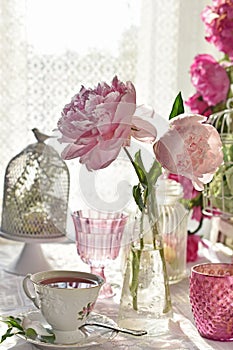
{"x": 13, "y": 322}
{"x": 31, "y": 333}
{"x": 138, "y": 160}
{"x": 137, "y": 194}
{"x": 178, "y": 106}
{"x": 7, "y": 334}
{"x": 140, "y": 169}
{"x": 141, "y": 175}
{"x": 48, "y": 338}
{"x": 154, "y": 172}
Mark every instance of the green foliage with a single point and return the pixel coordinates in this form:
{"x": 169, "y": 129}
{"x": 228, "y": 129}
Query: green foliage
{"x": 14, "y": 322}
{"x": 140, "y": 170}
{"x": 153, "y": 174}
{"x": 138, "y": 161}
{"x": 47, "y": 338}
{"x": 30, "y": 333}
{"x": 15, "y": 327}
{"x": 138, "y": 197}
{"x": 178, "y": 106}
{"x": 146, "y": 180}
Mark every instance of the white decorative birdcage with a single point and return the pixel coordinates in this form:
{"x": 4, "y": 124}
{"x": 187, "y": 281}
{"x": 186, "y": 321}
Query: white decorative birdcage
{"x": 35, "y": 201}
{"x": 218, "y": 194}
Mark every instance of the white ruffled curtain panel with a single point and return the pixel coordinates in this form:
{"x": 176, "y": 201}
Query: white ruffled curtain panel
{"x": 49, "y": 48}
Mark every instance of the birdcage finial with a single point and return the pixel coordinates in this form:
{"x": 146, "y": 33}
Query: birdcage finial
{"x": 40, "y": 136}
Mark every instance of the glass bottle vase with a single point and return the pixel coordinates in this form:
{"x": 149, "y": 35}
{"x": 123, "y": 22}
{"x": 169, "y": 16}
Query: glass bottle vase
{"x": 145, "y": 299}
{"x": 173, "y": 221}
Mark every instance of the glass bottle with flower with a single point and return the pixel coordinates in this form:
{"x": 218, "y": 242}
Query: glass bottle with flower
{"x": 96, "y": 125}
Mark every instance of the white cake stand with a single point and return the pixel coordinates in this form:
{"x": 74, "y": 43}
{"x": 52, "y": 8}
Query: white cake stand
{"x": 31, "y": 258}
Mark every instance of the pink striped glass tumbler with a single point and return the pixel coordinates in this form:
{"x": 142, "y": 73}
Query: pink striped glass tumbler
{"x": 98, "y": 241}
{"x": 211, "y": 298}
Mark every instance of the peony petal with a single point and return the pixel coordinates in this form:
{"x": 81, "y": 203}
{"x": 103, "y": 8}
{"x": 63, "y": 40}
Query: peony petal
{"x": 143, "y": 130}
{"x": 101, "y": 159}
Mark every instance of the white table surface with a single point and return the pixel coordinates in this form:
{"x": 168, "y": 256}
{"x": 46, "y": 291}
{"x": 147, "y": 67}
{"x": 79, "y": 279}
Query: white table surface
{"x": 182, "y": 333}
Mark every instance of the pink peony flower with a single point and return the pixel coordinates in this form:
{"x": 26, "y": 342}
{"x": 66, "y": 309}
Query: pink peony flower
{"x": 218, "y": 20}
{"x": 197, "y": 213}
{"x": 192, "y": 247}
{"x": 97, "y": 123}
{"x": 190, "y": 148}
{"x": 210, "y": 79}
{"x": 189, "y": 190}
{"x": 190, "y": 193}
{"x": 198, "y": 105}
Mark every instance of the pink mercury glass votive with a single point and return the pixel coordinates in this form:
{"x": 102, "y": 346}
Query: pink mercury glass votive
{"x": 211, "y": 298}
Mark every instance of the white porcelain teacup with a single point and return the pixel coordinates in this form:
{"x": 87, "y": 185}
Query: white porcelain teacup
{"x": 65, "y": 299}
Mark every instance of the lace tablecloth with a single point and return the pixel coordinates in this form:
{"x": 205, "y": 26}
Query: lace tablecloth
{"x": 182, "y": 332}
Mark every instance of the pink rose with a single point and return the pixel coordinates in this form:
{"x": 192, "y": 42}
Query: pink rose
{"x": 198, "y": 105}
{"x": 209, "y": 79}
{"x": 190, "y": 148}
{"x": 98, "y": 122}
{"x": 218, "y": 20}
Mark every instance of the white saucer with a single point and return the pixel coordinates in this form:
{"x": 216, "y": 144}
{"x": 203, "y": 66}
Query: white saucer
{"x": 94, "y": 335}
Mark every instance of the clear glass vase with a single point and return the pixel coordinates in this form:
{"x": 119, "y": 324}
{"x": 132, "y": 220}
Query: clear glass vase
{"x": 173, "y": 222}
{"x": 145, "y": 299}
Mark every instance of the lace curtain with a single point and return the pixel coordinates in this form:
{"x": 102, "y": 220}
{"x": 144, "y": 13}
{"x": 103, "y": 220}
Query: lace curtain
{"x": 49, "y": 48}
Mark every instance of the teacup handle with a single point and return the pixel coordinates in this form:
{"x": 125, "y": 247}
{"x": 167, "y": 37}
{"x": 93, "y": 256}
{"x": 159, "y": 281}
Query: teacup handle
{"x": 26, "y": 282}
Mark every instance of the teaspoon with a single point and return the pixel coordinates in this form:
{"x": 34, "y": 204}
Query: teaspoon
{"x": 115, "y": 328}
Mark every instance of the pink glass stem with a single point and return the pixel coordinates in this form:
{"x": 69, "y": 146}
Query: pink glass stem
{"x": 98, "y": 271}
{"x": 106, "y": 290}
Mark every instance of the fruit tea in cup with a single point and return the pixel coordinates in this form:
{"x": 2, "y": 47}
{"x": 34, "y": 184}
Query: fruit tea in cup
{"x": 65, "y": 299}
{"x": 211, "y": 298}
{"x": 68, "y": 282}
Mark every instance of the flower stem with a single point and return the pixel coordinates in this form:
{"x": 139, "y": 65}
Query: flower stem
{"x": 136, "y": 256}
{"x": 198, "y": 227}
{"x": 128, "y": 154}
{"x": 168, "y": 303}
{"x": 158, "y": 245}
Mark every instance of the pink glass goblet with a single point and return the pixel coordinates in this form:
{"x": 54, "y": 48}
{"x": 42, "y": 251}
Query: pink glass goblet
{"x": 98, "y": 241}
{"x": 211, "y": 298}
